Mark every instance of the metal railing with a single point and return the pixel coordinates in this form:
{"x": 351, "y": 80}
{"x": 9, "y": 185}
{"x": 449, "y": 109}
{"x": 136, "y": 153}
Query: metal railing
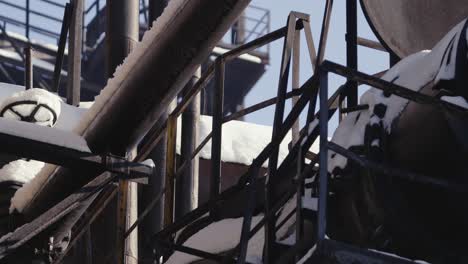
{"x": 296, "y": 23}
{"x": 292, "y": 168}
{"x": 35, "y": 21}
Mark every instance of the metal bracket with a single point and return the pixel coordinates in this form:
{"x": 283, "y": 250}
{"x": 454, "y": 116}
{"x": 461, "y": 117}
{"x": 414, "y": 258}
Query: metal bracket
{"x": 127, "y": 170}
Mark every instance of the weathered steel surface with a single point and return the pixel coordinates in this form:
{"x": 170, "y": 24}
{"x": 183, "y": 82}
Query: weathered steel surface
{"x": 415, "y": 25}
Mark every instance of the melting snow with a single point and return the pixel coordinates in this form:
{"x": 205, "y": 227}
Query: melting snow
{"x": 20, "y": 170}
{"x": 241, "y": 141}
{"x": 456, "y": 100}
{"x": 220, "y": 237}
{"x": 413, "y": 72}
{"x": 43, "y": 134}
{"x": 40, "y": 97}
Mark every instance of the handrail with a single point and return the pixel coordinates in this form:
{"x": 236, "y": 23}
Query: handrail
{"x": 31, "y": 11}
{"x": 53, "y": 3}
{"x": 33, "y": 28}
{"x": 257, "y": 24}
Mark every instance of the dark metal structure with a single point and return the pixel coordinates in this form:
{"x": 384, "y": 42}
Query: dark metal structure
{"x": 254, "y": 192}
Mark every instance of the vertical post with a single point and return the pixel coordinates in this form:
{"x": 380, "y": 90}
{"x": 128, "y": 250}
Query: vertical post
{"x": 187, "y": 184}
{"x": 170, "y": 170}
{"x": 28, "y": 68}
{"x": 121, "y": 32}
{"x": 238, "y": 31}
{"x": 121, "y": 36}
{"x": 247, "y": 220}
{"x": 218, "y": 103}
{"x": 270, "y": 226}
{"x": 74, "y": 54}
{"x": 27, "y": 18}
{"x": 131, "y": 214}
{"x": 323, "y": 158}
{"x": 122, "y": 199}
{"x": 295, "y": 79}
{"x": 61, "y": 47}
{"x": 351, "y": 50}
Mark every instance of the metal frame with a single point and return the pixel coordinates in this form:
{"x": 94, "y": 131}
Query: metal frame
{"x": 307, "y": 94}
{"x": 296, "y": 21}
{"x": 297, "y": 153}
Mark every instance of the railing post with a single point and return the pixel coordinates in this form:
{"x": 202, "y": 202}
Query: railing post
{"x": 270, "y": 226}
{"x": 74, "y": 55}
{"x": 323, "y": 158}
{"x": 351, "y": 50}
{"x": 170, "y": 170}
{"x": 295, "y": 79}
{"x": 61, "y": 47}
{"x": 217, "y": 122}
{"x": 27, "y": 18}
{"x": 247, "y": 220}
{"x": 28, "y": 68}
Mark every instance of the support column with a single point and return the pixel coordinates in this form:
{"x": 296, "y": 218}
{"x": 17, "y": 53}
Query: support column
{"x": 351, "y": 50}
{"x": 187, "y": 184}
{"x": 121, "y": 36}
{"x": 74, "y": 48}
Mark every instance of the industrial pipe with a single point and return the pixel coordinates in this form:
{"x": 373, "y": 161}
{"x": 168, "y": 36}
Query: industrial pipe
{"x": 129, "y": 105}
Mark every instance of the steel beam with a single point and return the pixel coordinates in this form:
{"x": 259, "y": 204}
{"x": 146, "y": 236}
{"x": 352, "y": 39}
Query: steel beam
{"x": 270, "y": 233}
{"x": 351, "y": 50}
{"x": 323, "y": 173}
{"x": 217, "y": 122}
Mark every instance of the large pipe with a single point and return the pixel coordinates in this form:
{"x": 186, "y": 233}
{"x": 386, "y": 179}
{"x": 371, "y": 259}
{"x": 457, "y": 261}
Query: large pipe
{"x": 129, "y": 105}
{"x": 121, "y": 37}
{"x": 121, "y": 31}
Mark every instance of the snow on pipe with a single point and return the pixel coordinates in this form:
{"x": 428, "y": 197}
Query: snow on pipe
{"x": 142, "y": 87}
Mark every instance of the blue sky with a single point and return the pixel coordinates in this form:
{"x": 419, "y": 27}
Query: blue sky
{"x": 370, "y": 61}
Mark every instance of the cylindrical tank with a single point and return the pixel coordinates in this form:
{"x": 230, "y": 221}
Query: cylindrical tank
{"x": 405, "y": 27}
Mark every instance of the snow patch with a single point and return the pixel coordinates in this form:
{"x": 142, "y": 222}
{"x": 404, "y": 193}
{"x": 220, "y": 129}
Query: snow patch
{"x": 413, "y": 72}
{"x": 456, "y": 100}
{"x": 39, "y": 96}
{"x": 219, "y": 237}
{"x": 43, "y": 134}
{"x": 241, "y": 141}
{"x": 20, "y": 170}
